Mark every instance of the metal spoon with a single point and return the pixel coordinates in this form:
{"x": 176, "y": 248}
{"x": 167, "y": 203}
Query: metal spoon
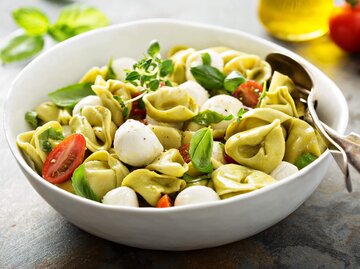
{"x": 348, "y": 147}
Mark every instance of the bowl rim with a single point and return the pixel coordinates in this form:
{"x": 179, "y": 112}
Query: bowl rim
{"x": 343, "y": 121}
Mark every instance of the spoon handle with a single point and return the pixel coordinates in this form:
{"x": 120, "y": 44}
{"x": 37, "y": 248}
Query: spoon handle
{"x": 350, "y": 143}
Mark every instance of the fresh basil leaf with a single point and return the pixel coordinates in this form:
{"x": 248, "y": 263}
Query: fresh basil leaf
{"x": 207, "y": 76}
{"x": 133, "y": 75}
{"x": 305, "y": 160}
{"x": 154, "y": 48}
{"x": 168, "y": 83}
{"x": 125, "y": 112}
{"x": 206, "y": 58}
{"x": 166, "y": 67}
{"x": 190, "y": 179}
{"x": 201, "y": 147}
{"x": 32, "y": 20}
{"x": 208, "y": 117}
{"x": 70, "y": 95}
{"x": 45, "y": 136}
{"x": 76, "y": 19}
{"x": 32, "y": 119}
{"x": 110, "y": 72}
{"x": 141, "y": 103}
{"x": 81, "y": 184}
{"x": 154, "y": 84}
{"x": 21, "y": 47}
{"x": 240, "y": 113}
{"x": 233, "y": 81}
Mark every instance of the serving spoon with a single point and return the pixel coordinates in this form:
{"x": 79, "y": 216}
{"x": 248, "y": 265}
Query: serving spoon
{"x": 347, "y": 147}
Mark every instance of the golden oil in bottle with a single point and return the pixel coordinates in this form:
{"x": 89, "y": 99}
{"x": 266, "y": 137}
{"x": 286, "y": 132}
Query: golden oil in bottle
{"x": 295, "y": 20}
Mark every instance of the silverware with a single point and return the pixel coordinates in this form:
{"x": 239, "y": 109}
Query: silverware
{"x": 344, "y": 149}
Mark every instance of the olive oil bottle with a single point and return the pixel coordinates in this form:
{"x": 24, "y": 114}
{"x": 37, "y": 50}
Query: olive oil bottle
{"x": 295, "y": 20}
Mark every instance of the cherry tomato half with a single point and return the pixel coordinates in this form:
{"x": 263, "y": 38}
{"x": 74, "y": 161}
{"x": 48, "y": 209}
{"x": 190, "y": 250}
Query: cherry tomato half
{"x": 164, "y": 201}
{"x": 64, "y": 159}
{"x": 138, "y": 108}
{"x": 184, "y": 151}
{"x": 248, "y": 93}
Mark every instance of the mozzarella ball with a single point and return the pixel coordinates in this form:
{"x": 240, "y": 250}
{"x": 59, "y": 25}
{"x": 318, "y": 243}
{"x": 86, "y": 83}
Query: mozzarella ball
{"x": 196, "y": 195}
{"x": 136, "y": 144}
{"x": 284, "y": 170}
{"x": 224, "y": 105}
{"x": 195, "y": 59}
{"x": 91, "y": 100}
{"x": 196, "y": 91}
{"x": 121, "y": 196}
{"x": 218, "y": 152}
{"x": 119, "y": 65}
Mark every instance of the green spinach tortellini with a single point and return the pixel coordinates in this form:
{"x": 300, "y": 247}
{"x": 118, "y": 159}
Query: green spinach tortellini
{"x": 169, "y": 163}
{"x": 94, "y": 122}
{"x": 261, "y": 148}
{"x": 170, "y": 105}
{"x": 151, "y": 185}
{"x": 232, "y": 179}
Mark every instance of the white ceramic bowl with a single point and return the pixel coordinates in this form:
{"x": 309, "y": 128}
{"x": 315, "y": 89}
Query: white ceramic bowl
{"x": 179, "y": 228}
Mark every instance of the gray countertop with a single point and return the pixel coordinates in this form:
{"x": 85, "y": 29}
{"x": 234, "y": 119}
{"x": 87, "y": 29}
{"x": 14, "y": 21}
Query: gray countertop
{"x": 322, "y": 233}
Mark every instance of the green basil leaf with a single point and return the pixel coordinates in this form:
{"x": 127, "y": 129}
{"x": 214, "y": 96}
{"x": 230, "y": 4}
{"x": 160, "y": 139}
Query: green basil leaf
{"x": 125, "y": 112}
{"x": 168, "y": 83}
{"x": 70, "y": 95}
{"x": 21, "y": 47}
{"x": 166, "y": 67}
{"x": 141, "y": 103}
{"x": 154, "y": 84}
{"x": 240, "y": 113}
{"x": 154, "y": 48}
{"x": 206, "y": 58}
{"x": 305, "y": 160}
{"x": 81, "y": 184}
{"x": 76, "y": 19}
{"x": 32, "y": 119}
{"x": 133, "y": 75}
{"x": 110, "y": 72}
{"x": 32, "y": 20}
{"x": 207, "y": 76}
{"x": 233, "y": 81}
{"x": 201, "y": 147}
{"x": 208, "y": 117}
{"x": 190, "y": 179}
{"x": 45, "y": 136}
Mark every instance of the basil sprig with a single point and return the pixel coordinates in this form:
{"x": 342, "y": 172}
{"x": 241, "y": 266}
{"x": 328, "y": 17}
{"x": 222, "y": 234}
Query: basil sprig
{"x": 73, "y": 20}
{"x": 70, "y": 95}
{"x": 201, "y": 147}
{"x": 233, "y": 81}
{"x": 150, "y": 71}
{"x": 208, "y": 76}
{"x": 81, "y": 184}
{"x": 32, "y": 118}
{"x": 208, "y": 117}
{"x": 46, "y": 136}
{"x": 305, "y": 160}
{"x": 206, "y": 58}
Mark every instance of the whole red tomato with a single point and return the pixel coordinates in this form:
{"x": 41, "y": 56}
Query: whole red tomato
{"x": 344, "y": 26}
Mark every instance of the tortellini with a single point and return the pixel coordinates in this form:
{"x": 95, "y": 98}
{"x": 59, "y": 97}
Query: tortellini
{"x": 169, "y": 137}
{"x": 93, "y": 73}
{"x": 231, "y": 179}
{"x": 94, "y": 122}
{"x": 169, "y": 163}
{"x": 48, "y": 111}
{"x": 250, "y": 66}
{"x": 261, "y": 148}
{"x": 178, "y": 75}
{"x": 26, "y": 143}
{"x": 170, "y": 105}
{"x": 151, "y": 186}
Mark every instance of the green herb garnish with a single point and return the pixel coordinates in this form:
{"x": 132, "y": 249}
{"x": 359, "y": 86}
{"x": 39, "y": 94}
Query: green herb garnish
{"x": 206, "y": 58}
{"x": 110, "y": 71}
{"x": 190, "y": 179}
{"x": 32, "y": 119}
{"x": 46, "y": 136}
{"x": 208, "y": 117}
{"x": 208, "y": 76}
{"x": 305, "y": 160}
{"x": 233, "y": 81}
{"x": 81, "y": 184}
{"x": 70, "y": 95}
{"x": 240, "y": 113}
{"x": 32, "y": 20}
{"x": 201, "y": 147}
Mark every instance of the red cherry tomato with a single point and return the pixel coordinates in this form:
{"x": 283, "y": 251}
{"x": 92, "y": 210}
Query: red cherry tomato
{"x": 164, "y": 201}
{"x": 228, "y": 159}
{"x": 248, "y": 93}
{"x": 137, "y": 109}
{"x": 344, "y": 26}
{"x": 64, "y": 159}
{"x": 184, "y": 151}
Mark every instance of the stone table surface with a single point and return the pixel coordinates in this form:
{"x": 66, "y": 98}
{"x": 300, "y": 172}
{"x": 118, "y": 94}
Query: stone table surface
{"x": 322, "y": 233}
